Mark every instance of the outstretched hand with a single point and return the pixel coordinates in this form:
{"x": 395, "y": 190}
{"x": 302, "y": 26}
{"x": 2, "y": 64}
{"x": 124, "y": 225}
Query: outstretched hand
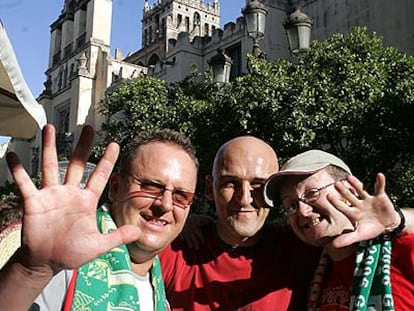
{"x": 372, "y": 215}
{"x": 59, "y": 223}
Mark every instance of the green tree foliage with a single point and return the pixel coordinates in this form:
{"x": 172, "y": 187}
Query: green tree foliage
{"x": 351, "y": 96}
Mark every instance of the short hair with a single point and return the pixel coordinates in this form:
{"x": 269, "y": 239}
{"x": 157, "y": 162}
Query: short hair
{"x": 167, "y": 136}
{"x": 336, "y": 172}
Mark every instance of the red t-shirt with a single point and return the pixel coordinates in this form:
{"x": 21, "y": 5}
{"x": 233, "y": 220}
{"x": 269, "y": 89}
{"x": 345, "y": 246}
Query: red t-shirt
{"x": 272, "y": 275}
{"x": 336, "y": 292}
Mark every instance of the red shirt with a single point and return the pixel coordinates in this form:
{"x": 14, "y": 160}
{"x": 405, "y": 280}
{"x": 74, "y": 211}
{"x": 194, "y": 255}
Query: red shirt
{"x": 337, "y": 288}
{"x": 272, "y": 275}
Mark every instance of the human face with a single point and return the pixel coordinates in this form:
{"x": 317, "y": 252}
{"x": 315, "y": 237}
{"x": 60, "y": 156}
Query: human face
{"x": 240, "y": 170}
{"x": 316, "y": 223}
{"x": 159, "y": 220}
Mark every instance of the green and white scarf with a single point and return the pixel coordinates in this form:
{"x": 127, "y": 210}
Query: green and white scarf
{"x": 108, "y": 283}
{"x": 371, "y": 287}
{"x": 372, "y": 278}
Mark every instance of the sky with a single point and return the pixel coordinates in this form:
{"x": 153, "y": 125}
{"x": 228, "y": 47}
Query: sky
{"x": 27, "y": 23}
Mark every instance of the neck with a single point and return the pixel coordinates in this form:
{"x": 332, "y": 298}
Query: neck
{"x": 235, "y": 240}
{"x": 141, "y": 260}
{"x": 337, "y": 254}
{"x": 142, "y": 269}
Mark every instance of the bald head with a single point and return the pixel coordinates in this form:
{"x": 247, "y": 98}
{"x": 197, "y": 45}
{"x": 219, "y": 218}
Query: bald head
{"x": 240, "y": 169}
{"x": 246, "y": 153}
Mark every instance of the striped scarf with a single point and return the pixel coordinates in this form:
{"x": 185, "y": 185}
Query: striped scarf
{"x": 108, "y": 283}
{"x": 371, "y": 286}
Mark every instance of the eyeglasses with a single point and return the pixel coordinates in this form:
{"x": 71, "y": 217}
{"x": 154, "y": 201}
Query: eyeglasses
{"x": 308, "y": 197}
{"x": 153, "y": 189}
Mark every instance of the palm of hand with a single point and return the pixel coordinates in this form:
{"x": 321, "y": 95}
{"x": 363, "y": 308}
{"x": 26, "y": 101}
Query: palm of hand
{"x": 371, "y": 214}
{"x": 60, "y": 227}
{"x": 59, "y": 222}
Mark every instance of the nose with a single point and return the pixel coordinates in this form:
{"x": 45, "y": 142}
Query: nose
{"x": 244, "y": 193}
{"x": 304, "y": 209}
{"x": 166, "y": 200}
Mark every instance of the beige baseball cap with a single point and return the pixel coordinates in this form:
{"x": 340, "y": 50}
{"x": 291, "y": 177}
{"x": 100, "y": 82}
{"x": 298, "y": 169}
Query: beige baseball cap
{"x": 306, "y": 163}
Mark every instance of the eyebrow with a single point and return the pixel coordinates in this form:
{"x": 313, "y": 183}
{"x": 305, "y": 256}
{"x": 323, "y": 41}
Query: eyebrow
{"x": 256, "y": 179}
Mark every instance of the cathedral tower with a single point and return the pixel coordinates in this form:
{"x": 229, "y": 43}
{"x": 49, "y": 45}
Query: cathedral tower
{"x": 164, "y": 19}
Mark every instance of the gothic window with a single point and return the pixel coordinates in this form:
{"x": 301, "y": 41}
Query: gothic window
{"x": 65, "y": 76}
{"x": 62, "y": 118}
{"x": 179, "y": 20}
{"x": 187, "y": 24}
{"x": 145, "y": 37}
{"x": 60, "y": 79}
{"x": 56, "y": 45}
{"x": 81, "y": 38}
{"x": 154, "y": 59}
{"x": 206, "y": 29}
{"x": 64, "y": 137}
{"x": 163, "y": 28}
{"x": 196, "y": 19}
{"x": 157, "y": 26}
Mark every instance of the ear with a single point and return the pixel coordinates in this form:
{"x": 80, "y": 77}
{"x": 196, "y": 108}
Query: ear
{"x": 114, "y": 187}
{"x": 209, "y": 187}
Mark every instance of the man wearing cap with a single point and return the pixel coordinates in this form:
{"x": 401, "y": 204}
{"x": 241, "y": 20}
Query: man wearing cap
{"x": 315, "y": 189}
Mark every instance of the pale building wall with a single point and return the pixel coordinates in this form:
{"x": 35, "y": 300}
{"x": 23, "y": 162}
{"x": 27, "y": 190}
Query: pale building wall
{"x": 390, "y": 19}
{"x": 99, "y": 20}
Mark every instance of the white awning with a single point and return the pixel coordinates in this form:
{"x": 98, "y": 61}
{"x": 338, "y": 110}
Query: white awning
{"x": 20, "y": 114}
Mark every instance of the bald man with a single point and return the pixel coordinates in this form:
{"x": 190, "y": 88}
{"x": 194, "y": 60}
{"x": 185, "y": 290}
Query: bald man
{"x": 244, "y": 264}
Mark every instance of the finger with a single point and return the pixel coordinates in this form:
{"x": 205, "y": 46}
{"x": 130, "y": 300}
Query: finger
{"x": 347, "y": 194}
{"x": 49, "y": 157}
{"x": 380, "y": 184}
{"x": 99, "y": 178}
{"x": 80, "y": 156}
{"x": 23, "y": 181}
{"x": 345, "y": 239}
{"x": 339, "y": 204}
{"x": 358, "y": 186}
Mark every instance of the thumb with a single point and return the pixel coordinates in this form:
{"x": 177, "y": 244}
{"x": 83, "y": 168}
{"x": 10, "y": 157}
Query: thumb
{"x": 345, "y": 239}
{"x": 123, "y": 235}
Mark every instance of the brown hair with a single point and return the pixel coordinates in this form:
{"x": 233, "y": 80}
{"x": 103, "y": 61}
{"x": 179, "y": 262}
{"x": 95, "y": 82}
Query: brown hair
{"x": 145, "y": 137}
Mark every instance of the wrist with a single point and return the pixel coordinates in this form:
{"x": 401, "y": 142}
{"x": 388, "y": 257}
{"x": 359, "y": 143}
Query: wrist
{"x": 20, "y": 262}
{"x": 397, "y": 227}
{"x": 20, "y": 285}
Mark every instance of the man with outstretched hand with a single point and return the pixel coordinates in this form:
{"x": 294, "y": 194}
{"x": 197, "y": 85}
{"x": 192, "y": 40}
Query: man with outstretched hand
{"x": 75, "y": 256}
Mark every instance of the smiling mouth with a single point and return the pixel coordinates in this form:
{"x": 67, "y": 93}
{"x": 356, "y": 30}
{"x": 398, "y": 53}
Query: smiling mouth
{"x": 154, "y": 220}
{"x": 312, "y": 223}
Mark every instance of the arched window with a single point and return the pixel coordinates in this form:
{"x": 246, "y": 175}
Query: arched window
{"x": 196, "y": 19}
